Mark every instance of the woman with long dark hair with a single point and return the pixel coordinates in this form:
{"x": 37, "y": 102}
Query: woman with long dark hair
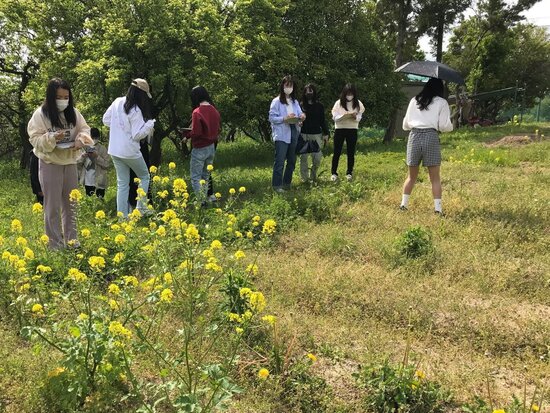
{"x": 347, "y": 113}
{"x": 314, "y": 129}
{"x": 57, "y": 132}
{"x": 285, "y": 115}
{"x": 130, "y": 120}
{"x": 427, "y": 114}
{"x": 205, "y": 129}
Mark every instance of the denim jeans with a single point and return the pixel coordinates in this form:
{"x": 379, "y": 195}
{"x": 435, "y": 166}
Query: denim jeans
{"x": 282, "y": 177}
{"x": 200, "y": 159}
{"x": 122, "y": 167}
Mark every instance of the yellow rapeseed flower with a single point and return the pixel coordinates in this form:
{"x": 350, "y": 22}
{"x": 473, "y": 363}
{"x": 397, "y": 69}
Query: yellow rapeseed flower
{"x": 499, "y": 411}
{"x": 29, "y": 254}
{"x": 161, "y": 231}
{"x": 257, "y": 301}
{"x": 166, "y": 295}
{"x": 172, "y": 165}
{"x": 115, "y": 227}
{"x": 113, "y": 305}
{"x": 37, "y": 208}
{"x": 202, "y": 182}
{"x": 118, "y": 330}
{"x": 192, "y": 234}
{"x": 75, "y": 195}
{"x": 239, "y": 330}
{"x": 269, "y": 319}
{"x": 96, "y": 262}
{"x": 169, "y": 215}
{"x": 137, "y": 180}
{"x": 210, "y": 168}
{"x": 130, "y": 280}
{"x": 76, "y": 275}
{"x": 218, "y": 195}
{"x": 535, "y": 407}
{"x": 85, "y": 233}
{"x": 242, "y": 189}
{"x": 113, "y": 289}
{"x": 56, "y": 372}
{"x": 119, "y": 256}
{"x": 120, "y": 239}
{"x": 232, "y": 191}
{"x": 252, "y": 268}
{"x": 21, "y": 241}
{"x": 269, "y": 226}
{"x": 153, "y": 169}
{"x": 312, "y": 357}
{"x": 216, "y": 245}
{"x": 100, "y": 214}
{"x": 16, "y": 226}
{"x": 37, "y": 309}
{"x": 168, "y": 279}
{"x": 156, "y": 179}
{"x": 420, "y": 374}
{"x": 263, "y": 373}
{"x": 239, "y": 254}
{"x": 43, "y": 269}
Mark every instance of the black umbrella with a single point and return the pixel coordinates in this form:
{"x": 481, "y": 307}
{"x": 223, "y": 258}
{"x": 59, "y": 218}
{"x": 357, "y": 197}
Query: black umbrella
{"x": 432, "y": 69}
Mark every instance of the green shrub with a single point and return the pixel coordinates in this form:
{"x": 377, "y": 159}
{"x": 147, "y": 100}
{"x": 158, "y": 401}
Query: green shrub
{"x": 414, "y": 243}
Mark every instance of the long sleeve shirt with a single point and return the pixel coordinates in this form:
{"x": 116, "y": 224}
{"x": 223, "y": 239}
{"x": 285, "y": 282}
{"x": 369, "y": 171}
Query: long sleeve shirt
{"x": 126, "y": 129}
{"x": 437, "y": 116}
{"x": 42, "y": 137}
{"x": 315, "y": 122}
{"x": 277, "y": 112}
{"x": 341, "y": 121}
{"x": 205, "y": 126}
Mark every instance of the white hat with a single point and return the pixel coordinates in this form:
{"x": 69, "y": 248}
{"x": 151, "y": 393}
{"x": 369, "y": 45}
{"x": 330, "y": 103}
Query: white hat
{"x": 143, "y": 85}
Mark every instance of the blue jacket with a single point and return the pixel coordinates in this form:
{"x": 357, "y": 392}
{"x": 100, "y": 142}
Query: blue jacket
{"x": 277, "y": 112}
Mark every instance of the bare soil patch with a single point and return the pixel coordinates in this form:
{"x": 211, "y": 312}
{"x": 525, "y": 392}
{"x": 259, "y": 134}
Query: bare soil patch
{"x": 513, "y": 140}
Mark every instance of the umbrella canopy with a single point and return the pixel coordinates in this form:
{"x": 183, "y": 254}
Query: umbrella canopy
{"x": 432, "y": 69}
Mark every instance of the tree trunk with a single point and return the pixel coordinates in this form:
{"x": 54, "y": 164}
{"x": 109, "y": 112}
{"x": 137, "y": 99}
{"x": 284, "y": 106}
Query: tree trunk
{"x": 404, "y": 9}
{"x": 230, "y": 137}
{"x": 26, "y": 76}
{"x": 439, "y": 38}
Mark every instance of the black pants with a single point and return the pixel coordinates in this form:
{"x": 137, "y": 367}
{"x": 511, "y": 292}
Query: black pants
{"x": 341, "y": 135}
{"x": 90, "y": 190}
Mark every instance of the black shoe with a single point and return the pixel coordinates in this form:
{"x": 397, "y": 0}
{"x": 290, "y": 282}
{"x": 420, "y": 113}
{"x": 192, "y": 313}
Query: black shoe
{"x": 440, "y": 213}
{"x": 403, "y": 208}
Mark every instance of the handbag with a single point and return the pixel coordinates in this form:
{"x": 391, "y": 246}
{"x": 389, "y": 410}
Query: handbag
{"x": 303, "y": 146}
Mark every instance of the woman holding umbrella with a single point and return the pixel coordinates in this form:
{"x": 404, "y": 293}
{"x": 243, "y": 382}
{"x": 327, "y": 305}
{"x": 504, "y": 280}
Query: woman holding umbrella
{"x": 427, "y": 114}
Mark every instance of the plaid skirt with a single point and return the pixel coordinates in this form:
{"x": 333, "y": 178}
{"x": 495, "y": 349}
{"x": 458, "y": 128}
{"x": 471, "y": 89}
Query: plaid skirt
{"x": 423, "y": 145}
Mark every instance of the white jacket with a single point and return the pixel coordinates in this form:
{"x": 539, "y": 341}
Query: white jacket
{"x": 126, "y": 130}
{"x": 437, "y": 116}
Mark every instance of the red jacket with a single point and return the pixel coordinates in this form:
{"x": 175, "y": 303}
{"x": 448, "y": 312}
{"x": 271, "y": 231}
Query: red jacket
{"x": 205, "y": 126}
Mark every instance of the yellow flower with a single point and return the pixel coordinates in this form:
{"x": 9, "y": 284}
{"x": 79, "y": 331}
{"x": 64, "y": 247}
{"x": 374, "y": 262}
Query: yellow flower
{"x": 120, "y": 238}
{"x": 75, "y": 195}
{"x": 37, "y": 208}
{"x": 141, "y": 193}
{"x": 24, "y": 288}
{"x": 16, "y": 226}
{"x": 239, "y": 254}
{"x": 56, "y": 372}
{"x": 179, "y": 186}
{"x": 242, "y": 189}
{"x": 76, "y": 275}
{"x": 232, "y": 191}
{"x": 102, "y": 251}
{"x": 535, "y": 407}
{"x": 165, "y": 180}
{"x": 252, "y": 268}
{"x": 29, "y": 254}
{"x": 192, "y": 234}
{"x": 202, "y": 182}
{"x": 115, "y": 227}
{"x": 249, "y": 235}
{"x": 269, "y": 226}
{"x": 499, "y": 411}
{"x": 263, "y": 374}
{"x": 119, "y": 256}
{"x": 130, "y": 280}
{"x": 113, "y": 289}
{"x": 83, "y": 317}
{"x": 118, "y": 330}
{"x": 96, "y": 262}
{"x": 218, "y": 195}
{"x": 114, "y": 305}
{"x": 168, "y": 279}
{"x": 210, "y": 168}
{"x": 185, "y": 265}
{"x": 172, "y": 165}
{"x": 100, "y": 215}
{"x": 239, "y": 330}
{"x": 216, "y": 245}
{"x": 269, "y": 319}
{"x": 85, "y": 233}
{"x": 153, "y": 169}
{"x": 312, "y": 357}
{"x": 161, "y": 231}
{"x": 256, "y": 218}
{"x": 162, "y": 194}
{"x": 234, "y": 317}
{"x": 257, "y": 301}
{"x": 152, "y": 226}
{"x": 420, "y": 374}
{"x": 137, "y": 180}
{"x": 43, "y": 269}
{"x": 156, "y": 179}
{"x": 37, "y": 309}
{"x": 21, "y": 241}
{"x": 212, "y": 266}
{"x": 169, "y": 215}
{"x": 166, "y": 295}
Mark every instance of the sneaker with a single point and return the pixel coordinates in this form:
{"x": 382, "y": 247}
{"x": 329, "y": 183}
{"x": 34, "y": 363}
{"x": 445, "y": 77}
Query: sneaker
{"x": 212, "y": 198}
{"x": 349, "y": 177}
{"x": 334, "y": 178}
{"x": 279, "y": 190}
{"x": 440, "y": 213}
{"x": 403, "y": 208}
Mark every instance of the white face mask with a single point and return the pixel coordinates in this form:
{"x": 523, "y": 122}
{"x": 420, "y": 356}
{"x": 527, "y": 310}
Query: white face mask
{"x": 349, "y": 98}
{"x": 288, "y": 90}
{"x": 62, "y": 104}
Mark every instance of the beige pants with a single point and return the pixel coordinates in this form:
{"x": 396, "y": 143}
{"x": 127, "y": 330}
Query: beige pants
{"x": 57, "y": 182}
{"x": 306, "y": 173}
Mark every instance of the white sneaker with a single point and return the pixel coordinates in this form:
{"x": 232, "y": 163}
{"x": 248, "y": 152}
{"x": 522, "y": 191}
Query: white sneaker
{"x": 334, "y": 178}
{"x": 349, "y": 177}
{"x": 279, "y": 190}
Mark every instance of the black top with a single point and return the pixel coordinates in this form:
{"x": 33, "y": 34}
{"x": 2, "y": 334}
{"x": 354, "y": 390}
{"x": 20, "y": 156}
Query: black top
{"x": 315, "y": 122}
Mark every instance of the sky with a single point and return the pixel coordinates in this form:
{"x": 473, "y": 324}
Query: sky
{"x": 539, "y": 14}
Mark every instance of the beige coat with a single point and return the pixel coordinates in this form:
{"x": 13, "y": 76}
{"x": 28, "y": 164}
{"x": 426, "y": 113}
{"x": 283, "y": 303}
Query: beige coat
{"x": 102, "y": 164}
{"x": 41, "y": 136}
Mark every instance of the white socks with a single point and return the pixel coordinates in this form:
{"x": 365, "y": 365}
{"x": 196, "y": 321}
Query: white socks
{"x": 405, "y": 200}
{"x": 437, "y": 205}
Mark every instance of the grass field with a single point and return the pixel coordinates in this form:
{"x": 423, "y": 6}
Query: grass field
{"x": 474, "y": 309}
